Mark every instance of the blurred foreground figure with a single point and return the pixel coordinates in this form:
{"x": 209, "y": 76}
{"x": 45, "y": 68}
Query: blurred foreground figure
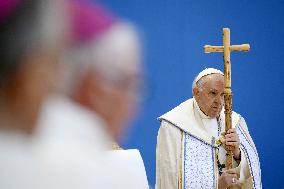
{"x": 96, "y": 99}
{"x": 30, "y": 38}
{"x": 191, "y": 142}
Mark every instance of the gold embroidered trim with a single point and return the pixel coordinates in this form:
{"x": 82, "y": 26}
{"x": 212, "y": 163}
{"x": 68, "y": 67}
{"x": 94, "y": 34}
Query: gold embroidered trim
{"x": 115, "y": 146}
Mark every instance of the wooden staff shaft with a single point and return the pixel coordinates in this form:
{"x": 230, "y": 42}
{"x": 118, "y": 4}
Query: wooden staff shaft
{"x": 227, "y": 93}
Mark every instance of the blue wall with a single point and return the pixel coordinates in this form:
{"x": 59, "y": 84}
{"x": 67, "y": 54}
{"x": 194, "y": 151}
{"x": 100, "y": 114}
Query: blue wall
{"x": 175, "y": 32}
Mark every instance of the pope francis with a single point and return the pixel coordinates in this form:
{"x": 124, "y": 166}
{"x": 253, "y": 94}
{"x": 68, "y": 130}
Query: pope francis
{"x": 191, "y": 142}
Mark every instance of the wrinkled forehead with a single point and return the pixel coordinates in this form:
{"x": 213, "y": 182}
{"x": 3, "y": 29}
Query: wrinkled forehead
{"x": 213, "y": 82}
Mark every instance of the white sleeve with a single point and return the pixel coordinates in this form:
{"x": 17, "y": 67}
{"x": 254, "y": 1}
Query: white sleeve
{"x": 168, "y": 153}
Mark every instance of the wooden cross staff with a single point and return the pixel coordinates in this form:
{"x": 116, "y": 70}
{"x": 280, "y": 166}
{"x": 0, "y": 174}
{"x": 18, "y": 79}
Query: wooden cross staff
{"x": 227, "y": 48}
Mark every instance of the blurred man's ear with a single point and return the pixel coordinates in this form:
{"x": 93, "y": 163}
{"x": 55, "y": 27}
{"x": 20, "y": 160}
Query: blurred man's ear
{"x": 91, "y": 90}
{"x": 85, "y": 89}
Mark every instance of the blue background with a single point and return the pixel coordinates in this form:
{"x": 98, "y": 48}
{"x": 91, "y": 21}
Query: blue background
{"x": 174, "y": 34}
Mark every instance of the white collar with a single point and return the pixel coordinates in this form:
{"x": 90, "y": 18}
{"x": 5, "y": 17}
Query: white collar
{"x": 186, "y": 117}
{"x": 62, "y": 116}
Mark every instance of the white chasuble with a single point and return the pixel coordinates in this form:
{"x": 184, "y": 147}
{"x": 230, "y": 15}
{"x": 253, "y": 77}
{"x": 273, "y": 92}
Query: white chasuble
{"x": 186, "y": 150}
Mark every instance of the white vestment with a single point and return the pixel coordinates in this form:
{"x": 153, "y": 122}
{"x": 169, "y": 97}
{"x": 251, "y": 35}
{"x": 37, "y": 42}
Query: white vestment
{"x": 66, "y": 127}
{"x": 187, "y": 149}
{"x": 75, "y": 139}
{"x": 126, "y": 170}
{"x": 17, "y": 165}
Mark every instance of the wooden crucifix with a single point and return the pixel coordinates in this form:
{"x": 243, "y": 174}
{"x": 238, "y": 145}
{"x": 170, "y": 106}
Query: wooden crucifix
{"x": 226, "y": 49}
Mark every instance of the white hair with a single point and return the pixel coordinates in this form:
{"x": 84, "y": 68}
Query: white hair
{"x": 197, "y": 82}
{"x": 114, "y": 53}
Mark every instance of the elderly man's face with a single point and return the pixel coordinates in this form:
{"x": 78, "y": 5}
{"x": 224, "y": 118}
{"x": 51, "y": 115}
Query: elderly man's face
{"x": 210, "y": 95}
